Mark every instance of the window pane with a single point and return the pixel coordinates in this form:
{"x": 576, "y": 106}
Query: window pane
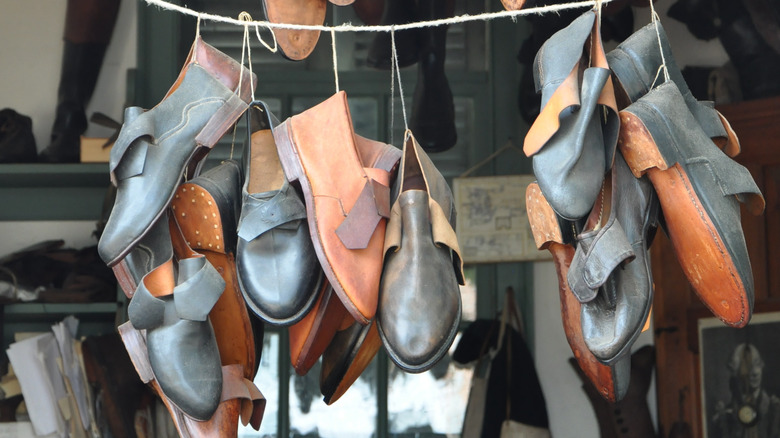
{"x": 468, "y": 295}
{"x": 267, "y": 381}
{"x": 430, "y": 403}
{"x": 351, "y": 416}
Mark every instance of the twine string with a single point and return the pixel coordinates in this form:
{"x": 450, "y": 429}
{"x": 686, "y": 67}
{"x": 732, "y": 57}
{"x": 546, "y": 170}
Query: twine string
{"x": 335, "y": 59}
{"x": 392, "y": 90}
{"x": 347, "y": 27}
{"x": 398, "y": 75}
{"x": 245, "y": 47}
{"x": 657, "y": 21}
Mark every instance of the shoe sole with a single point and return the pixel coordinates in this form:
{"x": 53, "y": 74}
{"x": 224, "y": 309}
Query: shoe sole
{"x": 198, "y": 216}
{"x": 688, "y": 224}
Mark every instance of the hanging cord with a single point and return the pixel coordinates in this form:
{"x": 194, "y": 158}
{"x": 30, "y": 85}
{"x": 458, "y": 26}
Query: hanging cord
{"x": 657, "y": 21}
{"x": 465, "y": 18}
{"x": 335, "y": 59}
{"x": 400, "y": 85}
{"x": 245, "y": 46}
{"x": 392, "y": 89}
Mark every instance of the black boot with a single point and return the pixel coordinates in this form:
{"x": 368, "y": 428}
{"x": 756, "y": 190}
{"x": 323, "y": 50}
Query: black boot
{"x": 407, "y": 41}
{"x": 80, "y": 68}
{"x": 88, "y": 28}
{"x": 433, "y": 110}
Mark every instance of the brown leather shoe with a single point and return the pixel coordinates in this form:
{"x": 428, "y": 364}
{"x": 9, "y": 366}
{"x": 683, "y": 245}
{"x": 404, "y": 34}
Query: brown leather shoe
{"x": 345, "y": 359}
{"x": 310, "y": 336}
{"x": 344, "y": 180}
{"x": 206, "y": 211}
{"x": 611, "y": 381}
{"x": 296, "y": 44}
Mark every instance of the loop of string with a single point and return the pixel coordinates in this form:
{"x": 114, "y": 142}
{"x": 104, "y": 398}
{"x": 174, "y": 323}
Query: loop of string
{"x": 380, "y": 28}
{"x": 335, "y": 59}
{"x": 657, "y": 20}
{"x": 273, "y": 49}
{"x": 392, "y": 90}
{"x": 245, "y": 47}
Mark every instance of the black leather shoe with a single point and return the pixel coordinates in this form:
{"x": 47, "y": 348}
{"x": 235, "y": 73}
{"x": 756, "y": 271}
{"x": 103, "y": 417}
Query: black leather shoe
{"x": 278, "y": 270}
{"x": 419, "y": 298}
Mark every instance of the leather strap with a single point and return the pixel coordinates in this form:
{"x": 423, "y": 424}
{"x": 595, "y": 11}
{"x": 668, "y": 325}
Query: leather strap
{"x": 596, "y": 256}
{"x": 200, "y": 286}
{"x": 235, "y": 386}
{"x": 145, "y": 310}
{"x": 259, "y": 214}
{"x": 138, "y": 125}
{"x": 372, "y": 205}
{"x": 443, "y": 234}
{"x": 733, "y": 179}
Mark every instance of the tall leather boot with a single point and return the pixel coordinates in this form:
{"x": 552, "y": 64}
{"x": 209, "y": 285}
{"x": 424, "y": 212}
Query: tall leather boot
{"x": 433, "y": 109}
{"x": 88, "y": 28}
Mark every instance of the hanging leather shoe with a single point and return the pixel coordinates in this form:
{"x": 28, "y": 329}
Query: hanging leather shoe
{"x": 433, "y": 107}
{"x": 700, "y": 189}
{"x": 206, "y": 210}
{"x": 610, "y": 273}
{"x": 573, "y": 139}
{"x": 155, "y": 147}
{"x": 278, "y": 270}
{"x": 346, "y": 195}
{"x": 348, "y": 355}
{"x": 311, "y": 336}
{"x": 419, "y": 296}
{"x": 407, "y": 42}
{"x": 636, "y": 64}
{"x": 182, "y": 348}
{"x": 556, "y": 235}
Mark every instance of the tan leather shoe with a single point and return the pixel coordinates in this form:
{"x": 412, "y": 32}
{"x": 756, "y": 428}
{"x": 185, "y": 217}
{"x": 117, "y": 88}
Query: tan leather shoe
{"x": 344, "y": 179}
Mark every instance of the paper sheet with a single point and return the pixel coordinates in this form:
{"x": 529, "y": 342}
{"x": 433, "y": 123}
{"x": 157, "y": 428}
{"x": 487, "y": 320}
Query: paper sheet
{"x": 65, "y": 332}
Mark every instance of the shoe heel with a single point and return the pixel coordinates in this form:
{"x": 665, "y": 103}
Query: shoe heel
{"x": 124, "y": 278}
{"x": 135, "y": 344}
{"x": 221, "y": 121}
{"x": 288, "y": 154}
{"x": 637, "y": 145}
{"x": 542, "y": 218}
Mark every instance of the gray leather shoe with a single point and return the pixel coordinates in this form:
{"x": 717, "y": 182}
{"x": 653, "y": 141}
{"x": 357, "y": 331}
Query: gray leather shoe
{"x": 573, "y": 139}
{"x": 278, "y": 270}
{"x": 155, "y": 147}
{"x": 153, "y": 250}
{"x": 182, "y": 348}
{"x": 700, "y": 189}
{"x": 610, "y": 273}
{"x": 636, "y": 64}
{"x": 419, "y": 297}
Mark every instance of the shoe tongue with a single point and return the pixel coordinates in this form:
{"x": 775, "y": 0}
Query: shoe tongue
{"x": 265, "y": 173}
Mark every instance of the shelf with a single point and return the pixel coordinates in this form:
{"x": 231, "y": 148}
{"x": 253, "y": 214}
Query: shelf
{"x": 52, "y": 191}
{"x": 31, "y": 311}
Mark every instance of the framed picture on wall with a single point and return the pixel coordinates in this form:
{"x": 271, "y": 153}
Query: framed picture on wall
{"x": 740, "y": 376}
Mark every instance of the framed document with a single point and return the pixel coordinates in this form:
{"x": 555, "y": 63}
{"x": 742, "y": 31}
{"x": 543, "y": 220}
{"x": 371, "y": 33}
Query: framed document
{"x": 492, "y": 224}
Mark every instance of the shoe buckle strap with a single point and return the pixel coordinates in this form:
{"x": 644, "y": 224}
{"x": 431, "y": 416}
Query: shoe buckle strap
{"x": 596, "y": 257}
{"x": 284, "y": 210}
{"x": 128, "y": 156}
{"x": 371, "y": 206}
{"x": 145, "y": 311}
{"x": 236, "y": 386}
{"x": 443, "y": 234}
{"x": 200, "y": 286}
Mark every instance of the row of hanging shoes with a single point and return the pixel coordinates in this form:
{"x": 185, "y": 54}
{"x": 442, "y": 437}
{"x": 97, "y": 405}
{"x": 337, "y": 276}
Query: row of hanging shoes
{"x": 347, "y": 241}
{"x": 620, "y": 147}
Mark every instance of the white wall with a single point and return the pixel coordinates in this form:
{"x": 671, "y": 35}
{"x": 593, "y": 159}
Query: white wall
{"x": 31, "y": 53}
{"x": 571, "y": 414}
